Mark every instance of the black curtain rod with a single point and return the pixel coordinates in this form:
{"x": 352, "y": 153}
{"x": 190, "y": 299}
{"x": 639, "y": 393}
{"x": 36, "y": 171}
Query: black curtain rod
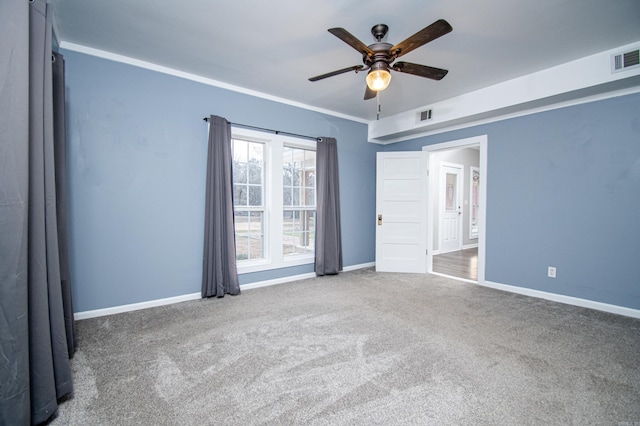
{"x": 277, "y": 132}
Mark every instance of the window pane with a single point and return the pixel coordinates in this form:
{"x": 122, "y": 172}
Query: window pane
{"x": 288, "y": 238}
{"x": 239, "y": 195}
{"x": 240, "y": 150}
{"x": 256, "y": 153}
{"x": 242, "y": 247}
{"x": 310, "y": 168}
{"x": 286, "y": 196}
{"x": 295, "y": 196}
{"x": 242, "y": 235}
{"x": 309, "y": 197}
{"x": 249, "y": 227}
{"x": 255, "y": 195}
{"x": 299, "y": 232}
{"x": 311, "y": 230}
{"x": 286, "y": 177}
{"x": 239, "y": 172}
{"x": 256, "y": 235}
{"x": 296, "y": 176}
{"x": 287, "y": 156}
{"x": 255, "y": 173}
{"x": 310, "y": 178}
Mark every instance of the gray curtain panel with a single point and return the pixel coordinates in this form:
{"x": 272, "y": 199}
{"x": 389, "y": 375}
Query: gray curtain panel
{"x": 35, "y": 372}
{"x": 50, "y": 370}
{"x": 14, "y": 192}
{"x": 328, "y": 259}
{"x": 219, "y": 272}
{"x": 60, "y": 151}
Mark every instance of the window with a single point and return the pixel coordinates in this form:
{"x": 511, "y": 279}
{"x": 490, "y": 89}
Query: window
{"x": 299, "y": 200}
{"x": 248, "y": 196}
{"x": 274, "y": 200}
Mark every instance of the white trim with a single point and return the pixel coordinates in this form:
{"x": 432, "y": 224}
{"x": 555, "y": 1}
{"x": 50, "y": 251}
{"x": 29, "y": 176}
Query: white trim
{"x": 135, "y": 306}
{"x": 276, "y": 281}
{"x": 359, "y": 266}
{"x": 306, "y": 276}
{"x": 502, "y": 117}
{"x": 195, "y": 296}
{"x": 267, "y": 265}
{"x": 573, "y": 82}
{"x": 568, "y": 300}
{"x": 483, "y": 142}
{"x": 469, "y": 246}
{"x": 204, "y": 80}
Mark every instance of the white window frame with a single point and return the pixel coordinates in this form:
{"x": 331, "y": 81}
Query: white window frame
{"x": 273, "y": 201}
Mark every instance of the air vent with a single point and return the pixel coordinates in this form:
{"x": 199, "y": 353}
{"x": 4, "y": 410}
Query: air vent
{"x": 425, "y": 115}
{"x": 626, "y": 60}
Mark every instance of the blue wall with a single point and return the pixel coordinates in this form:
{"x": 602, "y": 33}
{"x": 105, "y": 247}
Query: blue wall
{"x": 563, "y": 189}
{"x": 137, "y": 158}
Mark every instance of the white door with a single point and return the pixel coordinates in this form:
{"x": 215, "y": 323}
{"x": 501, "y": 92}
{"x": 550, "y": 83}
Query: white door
{"x": 401, "y": 212}
{"x": 450, "y": 207}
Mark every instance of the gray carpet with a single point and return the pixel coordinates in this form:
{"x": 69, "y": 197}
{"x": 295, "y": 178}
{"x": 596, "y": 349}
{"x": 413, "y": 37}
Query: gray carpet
{"x": 359, "y": 348}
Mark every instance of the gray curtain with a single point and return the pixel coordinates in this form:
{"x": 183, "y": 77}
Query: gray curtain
{"x": 219, "y": 272}
{"x": 60, "y": 151}
{"x": 35, "y": 370}
{"x": 14, "y": 193}
{"x": 328, "y": 235}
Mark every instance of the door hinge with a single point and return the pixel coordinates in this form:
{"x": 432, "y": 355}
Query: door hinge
{"x": 426, "y": 252}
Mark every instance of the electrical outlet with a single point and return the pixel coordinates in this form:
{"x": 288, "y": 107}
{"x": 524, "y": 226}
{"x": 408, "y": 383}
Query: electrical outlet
{"x": 551, "y": 272}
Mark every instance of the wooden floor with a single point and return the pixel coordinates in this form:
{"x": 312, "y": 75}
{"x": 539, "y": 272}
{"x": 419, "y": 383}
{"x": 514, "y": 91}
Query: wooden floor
{"x": 461, "y": 264}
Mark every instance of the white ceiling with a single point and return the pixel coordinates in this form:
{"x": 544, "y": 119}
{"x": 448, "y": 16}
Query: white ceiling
{"x": 274, "y": 46}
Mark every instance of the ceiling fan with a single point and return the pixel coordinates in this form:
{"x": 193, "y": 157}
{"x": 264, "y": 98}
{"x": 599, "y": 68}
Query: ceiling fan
{"x": 379, "y": 57}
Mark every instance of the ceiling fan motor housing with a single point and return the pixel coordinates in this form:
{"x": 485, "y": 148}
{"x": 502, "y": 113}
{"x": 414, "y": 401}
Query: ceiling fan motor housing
{"x": 380, "y": 55}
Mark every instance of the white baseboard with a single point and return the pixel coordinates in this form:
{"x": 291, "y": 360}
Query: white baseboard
{"x": 194, "y": 296}
{"x": 360, "y": 266}
{"x": 569, "y": 300}
{"x": 470, "y": 246}
{"x": 135, "y": 306}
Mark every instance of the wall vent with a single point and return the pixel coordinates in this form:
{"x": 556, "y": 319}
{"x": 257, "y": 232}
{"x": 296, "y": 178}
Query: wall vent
{"x": 626, "y": 60}
{"x": 425, "y": 115}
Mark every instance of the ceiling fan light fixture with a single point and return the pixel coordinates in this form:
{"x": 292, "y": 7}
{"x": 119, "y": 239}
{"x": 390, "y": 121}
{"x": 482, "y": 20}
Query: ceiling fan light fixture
{"x": 378, "y": 78}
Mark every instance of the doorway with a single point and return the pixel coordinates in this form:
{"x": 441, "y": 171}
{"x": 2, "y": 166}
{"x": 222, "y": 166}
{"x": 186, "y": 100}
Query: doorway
{"x": 456, "y": 208}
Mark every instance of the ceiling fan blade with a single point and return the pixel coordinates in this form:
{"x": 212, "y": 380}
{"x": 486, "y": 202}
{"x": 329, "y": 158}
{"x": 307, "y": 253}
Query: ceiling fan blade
{"x": 420, "y": 70}
{"x": 424, "y": 36}
{"x": 369, "y": 94}
{"x": 351, "y": 40}
{"x": 332, "y": 73}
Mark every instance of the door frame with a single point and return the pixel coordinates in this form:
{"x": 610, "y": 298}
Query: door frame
{"x": 482, "y": 142}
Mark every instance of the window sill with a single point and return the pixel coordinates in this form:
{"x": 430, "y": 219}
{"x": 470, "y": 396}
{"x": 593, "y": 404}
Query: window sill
{"x": 266, "y": 265}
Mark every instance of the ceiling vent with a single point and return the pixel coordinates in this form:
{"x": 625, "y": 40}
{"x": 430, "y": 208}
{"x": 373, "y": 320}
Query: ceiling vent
{"x": 425, "y": 115}
{"x": 626, "y": 60}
